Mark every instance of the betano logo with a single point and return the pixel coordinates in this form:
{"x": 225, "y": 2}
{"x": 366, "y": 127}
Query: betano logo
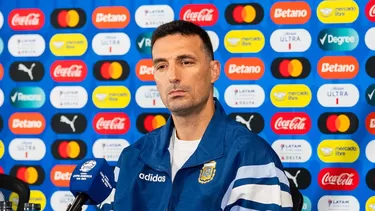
{"x": 338, "y": 151}
{"x": 69, "y": 149}
{"x": 27, "y": 97}
{"x": 32, "y": 175}
{"x": 344, "y": 11}
{"x": 111, "y": 70}
{"x": 111, "y": 97}
{"x": 74, "y": 44}
{"x": 37, "y": 197}
{"x": 244, "y": 41}
{"x": 147, "y": 122}
{"x": 290, "y": 95}
{"x": 113, "y": 17}
{"x": 244, "y": 14}
{"x": 338, "y": 123}
{"x": 1, "y": 72}
{"x": 60, "y": 175}
{"x": 27, "y": 123}
{"x": 370, "y": 123}
{"x": 338, "y": 67}
{"x": 244, "y": 68}
{"x": 290, "y": 68}
{"x": 68, "y": 18}
{"x": 338, "y": 39}
{"x": 298, "y": 12}
{"x": 145, "y": 70}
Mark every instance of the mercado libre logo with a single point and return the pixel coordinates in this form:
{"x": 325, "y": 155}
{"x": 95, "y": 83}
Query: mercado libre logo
{"x": 147, "y": 122}
{"x": 68, "y": 18}
{"x": 69, "y": 149}
{"x": 32, "y": 175}
{"x": 68, "y": 44}
{"x": 290, "y": 68}
{"x": 244, "y": 41}
{"x": 338, "y": 123}
{"x": 244, "y": 14}
{"x": 27, "y": 97}
{"x": 338, "y": 39}
{"x": 338, "y": 151}
{"x": 329, "y": 12}
{"x": 114, "y": 70}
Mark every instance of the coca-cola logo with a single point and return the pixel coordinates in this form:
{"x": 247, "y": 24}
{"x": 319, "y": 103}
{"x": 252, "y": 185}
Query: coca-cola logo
{"x": 26, "y": 19}
{"x": 291, "y": 123}
{"x": 338, "y": 178}
{"x": 111, "y": 123}
{"x": 370, "y": 10}
{"x": 200, "y": 14}
{"x": 68, "y": 71}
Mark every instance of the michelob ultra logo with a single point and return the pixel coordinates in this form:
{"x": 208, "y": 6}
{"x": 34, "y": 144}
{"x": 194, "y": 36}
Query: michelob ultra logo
{"x": 344, "y": 11}
{"x": 290, "y": 95}
{"x": 244, "y": 41}
{"x": 338, "y": 39}
{"x": 111, "y": 97}
{"x": 338, "y": 151}
{"x": 68, "y": 44}
{"x": 27, "y": 97}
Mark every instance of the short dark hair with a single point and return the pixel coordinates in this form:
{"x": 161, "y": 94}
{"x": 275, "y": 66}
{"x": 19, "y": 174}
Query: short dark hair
{"x": 184, "y": 28}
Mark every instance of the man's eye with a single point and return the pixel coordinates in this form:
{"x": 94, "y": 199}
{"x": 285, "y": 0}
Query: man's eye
{"x": 187, "y": 62}
{"x": 160, "y": 67}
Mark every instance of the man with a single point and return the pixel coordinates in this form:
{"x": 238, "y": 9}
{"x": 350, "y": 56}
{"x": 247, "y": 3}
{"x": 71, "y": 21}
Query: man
{"x": 201, "y": 159}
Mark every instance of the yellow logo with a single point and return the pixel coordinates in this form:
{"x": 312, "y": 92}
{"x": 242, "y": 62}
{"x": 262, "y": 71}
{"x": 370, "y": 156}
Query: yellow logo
{"x": 370, "y": 204}
{"x": 344, "y": 11}
{"x": 2, "y": 149}
{"x": 290, "y": 95}
{"x": 37, "y": 197}
{"x": 207, "y": 172}
{"x": 68, "y": 44}
{"x": 111, "y": 97}
{"x": 338, "y": 151}
{"x": 14, "y": 198}
{"x": 244, "y": 41}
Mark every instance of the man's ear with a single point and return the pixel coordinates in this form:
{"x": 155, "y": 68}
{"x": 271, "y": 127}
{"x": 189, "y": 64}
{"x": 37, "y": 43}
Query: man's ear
{"x": 215, "y": 70}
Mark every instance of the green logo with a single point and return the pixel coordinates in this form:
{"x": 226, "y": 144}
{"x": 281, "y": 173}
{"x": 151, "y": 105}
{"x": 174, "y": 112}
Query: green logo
{"x": 370, "y": 94}
{"x": 27, "y": 97}
{"x": 306, "y": 204}
{"x": 339, "y": 39}
{"x": 144, "y": 43}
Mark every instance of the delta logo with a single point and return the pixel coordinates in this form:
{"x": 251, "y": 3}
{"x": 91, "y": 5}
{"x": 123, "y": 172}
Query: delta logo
{"x": 200, "y": 14}
{"x": 244, "y": 68}
{"x": 298, "y": 12}
{"x": 26, "y": 19}
{"x": 113, "y": 17}
{"x": 147, "y": 122}
{"x": 71, "y": 18}
{"x": 69, "y": 149}
{"x": 115, "y": 123}
{"x": 338, "y": 123}
{"x": 145, "y": 70}
{"x": 370, "y": 123}
{"x": 32, "y": 175}
{"x": 291, "y": 68}
{"x": 343, "y": 179}
{"x": 111, "y": 70}
{"x": 338, "y": 67}
{"x": 60, "y": 175}
{"x": 284, "y": 123}
{"x": 331, "y": 12}
{"x": 27, "y": 123}
{"x": 338, "y": 39}
{"x": 370, "y": 66}
{"x": 370, "y": 10}
{"x": 338, "y": 151}
{"x": 244, "y": 14}
{"x": 68, "y": 71}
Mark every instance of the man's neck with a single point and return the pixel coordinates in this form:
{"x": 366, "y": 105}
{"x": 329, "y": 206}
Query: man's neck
{"x": 192, "y": 127}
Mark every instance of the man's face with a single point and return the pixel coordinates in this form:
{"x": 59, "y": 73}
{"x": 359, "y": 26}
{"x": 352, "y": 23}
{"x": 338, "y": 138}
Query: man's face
{"x": 183, "y": 72}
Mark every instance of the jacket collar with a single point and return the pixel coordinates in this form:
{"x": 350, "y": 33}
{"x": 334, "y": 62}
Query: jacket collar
{"x": 155, "y": 152}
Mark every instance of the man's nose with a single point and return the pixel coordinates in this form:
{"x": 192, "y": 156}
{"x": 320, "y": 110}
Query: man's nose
{"x": 173, "y": 74}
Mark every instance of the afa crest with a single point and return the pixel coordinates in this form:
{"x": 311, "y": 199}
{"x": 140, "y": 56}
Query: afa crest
{"x": 207, "y": 172}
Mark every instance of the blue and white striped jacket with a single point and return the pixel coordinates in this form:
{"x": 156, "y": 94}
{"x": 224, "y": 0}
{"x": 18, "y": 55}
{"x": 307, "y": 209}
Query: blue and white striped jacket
{"x": 232, "y": 169}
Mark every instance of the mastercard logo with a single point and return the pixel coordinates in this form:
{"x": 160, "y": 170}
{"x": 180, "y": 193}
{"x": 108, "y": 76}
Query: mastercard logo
{"x": 244, "y": 14}
{"x": 69, "y": 149}
{"x": 1, "y": 170}
{"x": 291, "y": 68}
{"x": 148, "y": 122}
{"x": 1, "y": 72}
{"x": 338, "y": 123}
{"x": 68, "y": 18}
{"x": 32, "y": 175}
{"x": 116, "y": 70}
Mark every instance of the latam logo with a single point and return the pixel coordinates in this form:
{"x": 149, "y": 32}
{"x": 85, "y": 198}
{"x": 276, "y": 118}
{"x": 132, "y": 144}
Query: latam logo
{"x": 152, "y": 16}
{"x": 69, "y": 123}
{"x": 27, "y": 123}
{"x": 26, "y": 71}
{"x": 292, "y": 150}
{"x": 244, "y": 68}
{"x": 68, "y": 71}
{"x": 338, "y": 123}
{"x": 290, "y": 40}
{"x": 338, "y": 202}
{"x": 111, "y": 123}
{"x": 370, "y": 66}
{"x": 26, "y": 19}
{"x": 338, "y": 95}
{"x": 69, "y": 149}
{"x": 60, "y": 175}
{"x": 109, "y": 149}
{"x": 370, "y": 10}
{"x": 32, "y": 175}
{"x": 290, "y": 12}
{"x": 338, "y": 67}
{"x": 72, "y": 18}
{"x": 244, "y": 96}
{"x": 111, "y": 70}
{"x": 113, "y": 17}
{"x": 27, "y": 149}
{"x": 291, "y": 123}
{"x": 244, "y": 14}
{"x": 25, "y": 45}
{"x": 200, "y": 14}
{"x": 252, "y": 121}
{"x": 291, "y": 68}
{"x": 343, "y": 179}
{"x": 67, "y": 97}
{"x": 145, "y": 70}
{"x": 147, "y": 122}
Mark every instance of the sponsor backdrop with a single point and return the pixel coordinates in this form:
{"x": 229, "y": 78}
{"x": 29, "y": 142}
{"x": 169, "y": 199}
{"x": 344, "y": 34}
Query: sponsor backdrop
{"x": 76, "y": 81}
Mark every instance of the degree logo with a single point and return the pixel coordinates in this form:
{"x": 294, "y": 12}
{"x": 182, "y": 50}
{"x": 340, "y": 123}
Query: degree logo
{"x": 144, "y": 43}
{"x": 145, "y": 70}
{"x": 244, "y": 68}
{"x": 338, "y": 67}
{"x": 147, "y": 122}
{"x": 290, "y": 95}
{"x": 114, "y": 17}
{"x": 370, "y": 98}
{"x": 338, "y": 39}
{"x": 27, "y": 97}
{"x": 330, "y": 12}
{"x": 244, "y": 41}
{"x": 111, "y": 97}
{"x": 244, "y": 14}
{"x": 68, "y": 44}
{"x": 338, "y": 123}
{"x": 32, "y": 175}
{"x": 68, "y": 18}
{"x": 111, "y": 70}
{"x": 60, "y": 175}
{"x": 69, "y": 149}
{"x": 370, "y": 66}
{"x": 338, "y": 151}
{"x": 291, "y": 68}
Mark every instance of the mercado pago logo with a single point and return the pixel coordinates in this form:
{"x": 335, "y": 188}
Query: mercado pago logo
{"x": 27, "y": 97}
{"x": 338, "y": 39}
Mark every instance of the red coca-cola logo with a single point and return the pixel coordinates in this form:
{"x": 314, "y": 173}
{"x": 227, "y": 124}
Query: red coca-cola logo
{"x": 200, "y": 14}
{"x": 111, "y": 123}
{"x": 370, "y": 10}
{"x": 338, "y": 179}
{"x": 68, "y": 71}
{"x": 291, "y": 123}
{"x": 26, "y": 19}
